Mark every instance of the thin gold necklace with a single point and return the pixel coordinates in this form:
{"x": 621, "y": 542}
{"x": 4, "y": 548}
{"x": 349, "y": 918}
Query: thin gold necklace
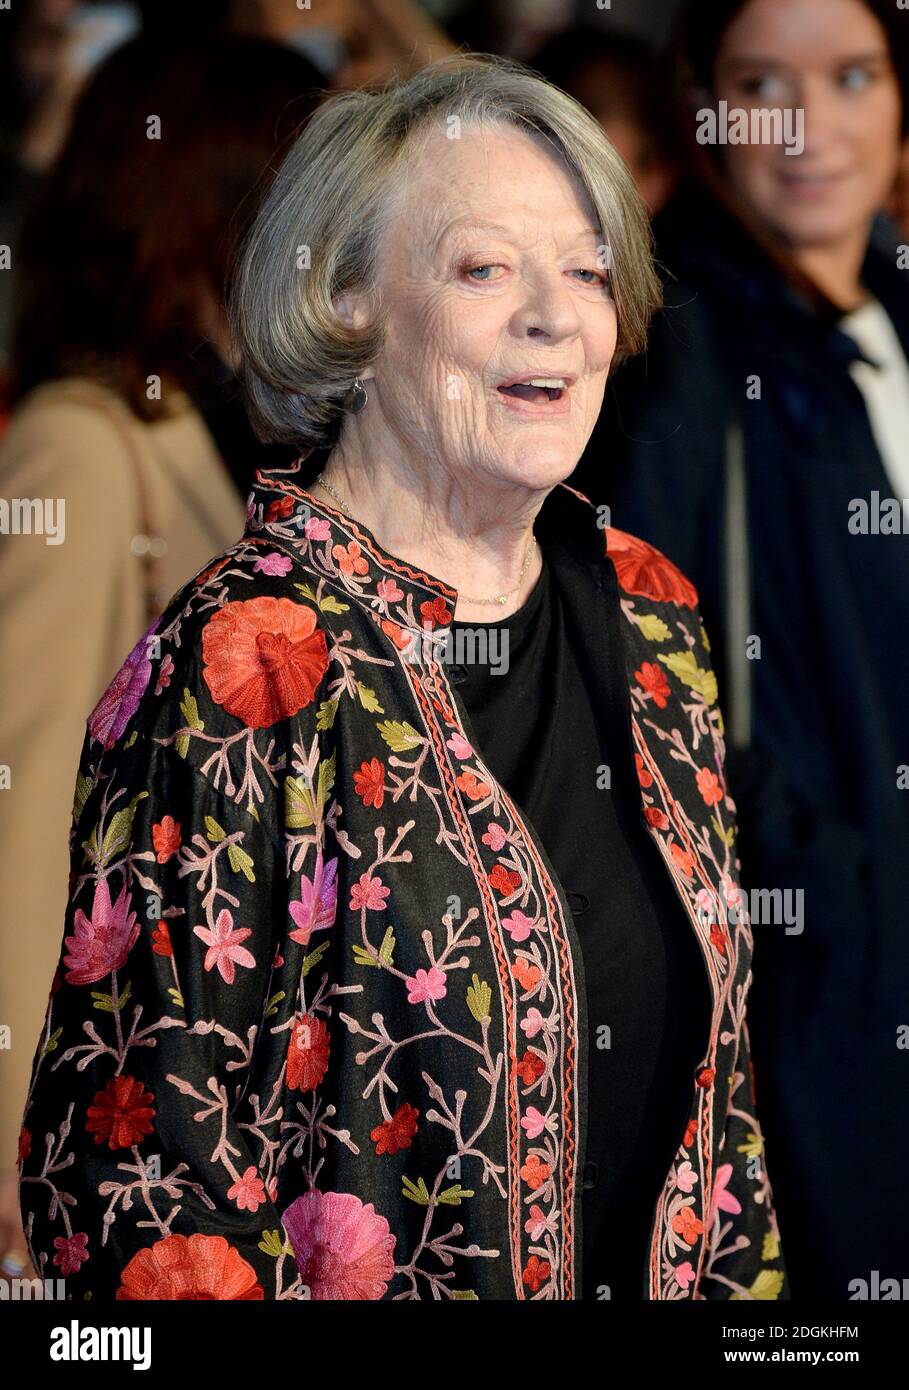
{"x": 498, "y": 600}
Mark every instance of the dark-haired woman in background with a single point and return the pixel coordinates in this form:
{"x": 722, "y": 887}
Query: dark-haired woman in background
{"x": 120, "y": 378}
{"x": 770, "y": 419}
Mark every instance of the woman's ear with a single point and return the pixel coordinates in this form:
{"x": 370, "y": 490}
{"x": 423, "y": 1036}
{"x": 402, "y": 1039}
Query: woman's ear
{"x": 354, "y": 308}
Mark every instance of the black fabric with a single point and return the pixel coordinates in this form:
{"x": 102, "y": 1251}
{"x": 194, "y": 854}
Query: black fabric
{"x": 821, "y": 810}
{"x": 539, "y": 733}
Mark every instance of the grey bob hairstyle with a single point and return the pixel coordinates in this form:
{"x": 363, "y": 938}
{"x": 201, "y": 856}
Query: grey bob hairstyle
{"x": 319, "y": 231}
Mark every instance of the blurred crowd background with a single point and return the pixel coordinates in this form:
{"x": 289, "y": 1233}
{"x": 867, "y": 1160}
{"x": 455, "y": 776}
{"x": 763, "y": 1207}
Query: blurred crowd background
{"x": 774, "y": 392}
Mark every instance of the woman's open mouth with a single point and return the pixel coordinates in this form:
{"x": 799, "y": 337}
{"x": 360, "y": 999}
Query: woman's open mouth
{"x": 537, "y": 395}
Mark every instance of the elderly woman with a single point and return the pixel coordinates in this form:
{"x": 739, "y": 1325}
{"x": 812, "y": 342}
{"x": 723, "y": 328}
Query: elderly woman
{"x": 404, "y": 911}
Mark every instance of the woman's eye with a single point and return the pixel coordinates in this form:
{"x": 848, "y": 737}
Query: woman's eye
{"x": 766, "y": 85}
{"x": 597, "y": 277}
{"x": 477, "y": 269}
{"x": 855, "y": 78}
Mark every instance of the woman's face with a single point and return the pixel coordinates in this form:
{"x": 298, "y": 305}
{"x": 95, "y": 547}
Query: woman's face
{"x": 830, "y": 58}
{"x": 490, "y": 271}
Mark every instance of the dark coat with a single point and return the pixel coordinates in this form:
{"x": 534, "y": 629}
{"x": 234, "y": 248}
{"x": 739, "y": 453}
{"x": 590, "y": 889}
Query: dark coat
{"x": 817, "y": 722}
{"x": 317, "y": 969}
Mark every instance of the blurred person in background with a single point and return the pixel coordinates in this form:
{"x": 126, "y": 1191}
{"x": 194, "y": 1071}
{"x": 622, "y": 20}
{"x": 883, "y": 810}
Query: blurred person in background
{"x": 617, "y": 77}
{"x": 756, "y": 444}
{"x": 120, "y": 372}
{"x": 352, "y": 42}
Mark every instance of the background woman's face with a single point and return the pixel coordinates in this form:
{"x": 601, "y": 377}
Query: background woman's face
{"x": 490, "y": 271}
{"x": 829, "y": 57}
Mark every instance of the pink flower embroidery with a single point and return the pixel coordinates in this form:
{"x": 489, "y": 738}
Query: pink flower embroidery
{"x": 533, "y": 1023}
{"x": 224, "y": 949}
{"x": 426, "y": 984}
{"x": 459, "y": 746}
{"x": 518, "y": 925}
{"x": 249, "y": 1191}
{"x": 683, "y": 1274}
{"x": 318, "y": 902}
{"x": 533, "y": 1123}
{"x": 685, "y": 1177}
{"x": 721, "y": 1198}
{"x": 369, "y": 892}
{"x": 388, "y": 590}
{"x": 317, "y": 529}
{"x": 344, "y": 1250}
{"x": 100, "y": 945}
{"x": 273, "y": 563}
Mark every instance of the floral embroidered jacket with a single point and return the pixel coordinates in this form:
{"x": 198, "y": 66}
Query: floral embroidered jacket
{"x": 318, "y": 1027}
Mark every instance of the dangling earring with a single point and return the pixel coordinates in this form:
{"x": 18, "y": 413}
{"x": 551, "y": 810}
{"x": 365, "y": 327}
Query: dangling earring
{"x": 357, "y": 397}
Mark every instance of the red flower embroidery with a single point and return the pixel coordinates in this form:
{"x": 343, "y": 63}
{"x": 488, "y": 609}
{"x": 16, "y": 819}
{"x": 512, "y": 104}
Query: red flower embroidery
{"x": 644, "y": 776}
{"x": 655, "y": 817}
{"x": 535, "y": 1172}
{"x": 350, "y": 558}
{"x": 710, "y": 786}
{"x": 684, "y": 858}
{"x": 687, "y": 1225}
{"x": 189, "y": 1267}
{"x": 166, "y": 838}
{"x": 530, "y": 1068}
{"x": 472, "y": 786}
{"x": 644, "y": 570}
{"x": 264, "y": 659}
{"x": 396, "y": 1133}
{"x": 435, "y": 613}
{"x": 161, "y": 940}
{"x": 503, "y": 880}
{"x": 369, "y": 783}
{"x": 122, "y": 1114}
{"x": 536, "y": 1272}
{"x": 307, "y": 1053}
{"x": 653, "y": 682}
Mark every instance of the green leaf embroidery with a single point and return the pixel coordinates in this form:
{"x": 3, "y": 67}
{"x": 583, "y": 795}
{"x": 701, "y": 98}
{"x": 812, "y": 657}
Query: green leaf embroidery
{"x": 272, "y": 1243}
{"x": 325, "y": 780}
{"x": 132, "y": 738}
{"x": 51, "y": 1044}
{"x": 727, "y": 836}
{"x": 417, "y": 1192}
{"x": 299, "y": 805}
{"x": 653, "y": 628}
{"x": 274, "y": 1001}
{"x": 190, "y": 711}
{"x": 83, "y": 790}
{"x": 307, "y": 590}
{"x": 369, "y": 699}
{"x": 399, "y": 735}
{"x": 176, "y": 996}
{"x": 330, "y": 604}
{"x": 325, "y": 715}
{"x": 213, "y": 831}
{"x": 313, "y": 958}
{"x": 479, "y": 998}
{"x": 119, "y": 831}
{"x": 462, "y": 1293}
{"x": 452, "y": 1196}
{"x": 684, "y": 665}
{"x": 105, "y": 1002}
{"x": 386, "y": 950}
{"x": 241, "y": 862}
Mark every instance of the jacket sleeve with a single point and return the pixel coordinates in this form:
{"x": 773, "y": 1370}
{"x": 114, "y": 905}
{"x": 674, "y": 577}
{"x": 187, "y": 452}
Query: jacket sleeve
{"x": 147, "y": 1170}
{"x": 54, "y": 616}
{"x": 744, "y": 1258}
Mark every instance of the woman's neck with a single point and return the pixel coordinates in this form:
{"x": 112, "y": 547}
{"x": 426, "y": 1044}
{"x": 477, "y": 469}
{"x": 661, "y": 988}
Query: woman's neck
{"x": 837, "y": 269}
{"x": 481, "y": 545}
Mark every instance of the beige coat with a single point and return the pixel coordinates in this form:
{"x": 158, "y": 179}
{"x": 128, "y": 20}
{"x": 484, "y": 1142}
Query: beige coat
{"x": 69, "y": 614}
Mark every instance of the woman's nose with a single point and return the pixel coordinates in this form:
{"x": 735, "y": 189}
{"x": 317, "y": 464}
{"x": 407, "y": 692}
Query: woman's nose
{"x": 548, "y": 306}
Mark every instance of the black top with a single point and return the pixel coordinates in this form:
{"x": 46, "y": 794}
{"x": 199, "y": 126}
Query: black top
{"x": 647, "y": 991}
